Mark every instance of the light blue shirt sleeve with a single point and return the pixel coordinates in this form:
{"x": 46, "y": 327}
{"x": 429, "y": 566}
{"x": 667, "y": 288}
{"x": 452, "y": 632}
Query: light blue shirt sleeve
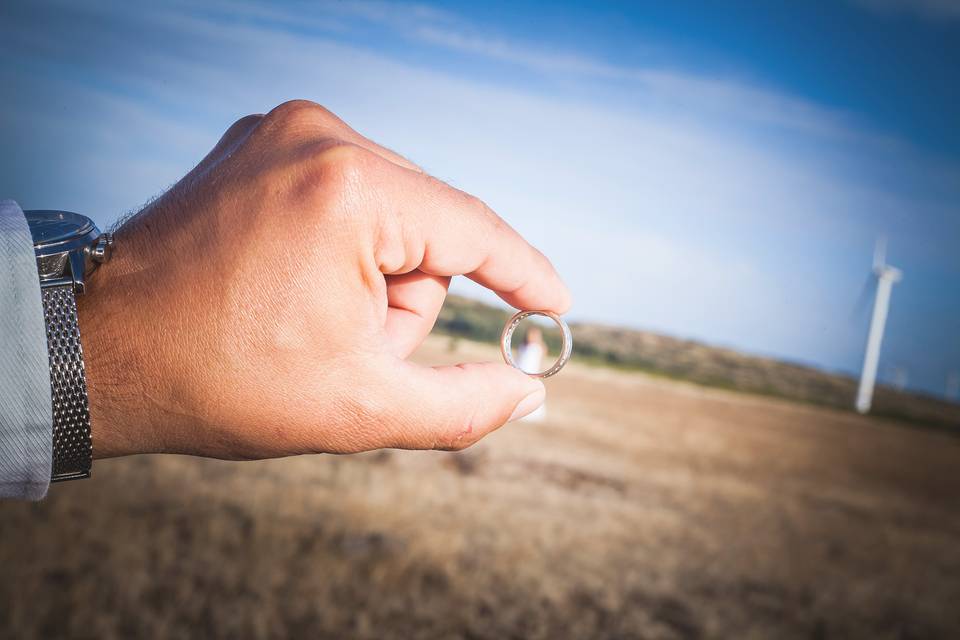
{"x": 26, "y": 414}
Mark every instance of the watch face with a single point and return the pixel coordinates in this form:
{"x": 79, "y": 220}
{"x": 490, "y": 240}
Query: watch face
{"x": 53, "y": 227}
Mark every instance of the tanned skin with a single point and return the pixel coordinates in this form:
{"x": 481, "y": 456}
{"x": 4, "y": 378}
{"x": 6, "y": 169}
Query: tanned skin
{"x": 266, "y": 304}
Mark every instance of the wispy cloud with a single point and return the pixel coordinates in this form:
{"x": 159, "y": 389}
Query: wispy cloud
{"x": 732, "y": 99}
{"x": 325, "y": 14}
{"x": 735, "y": 98}
{"x": 506, "y": 51}
{"x": 659, "y": 211}
{"x": 394, "y": 13}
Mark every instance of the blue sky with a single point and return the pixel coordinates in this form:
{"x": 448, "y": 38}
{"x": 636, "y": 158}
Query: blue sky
{"x": 716, "y": 171}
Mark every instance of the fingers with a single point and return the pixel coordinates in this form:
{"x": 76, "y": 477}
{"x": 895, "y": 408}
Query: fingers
{"x": 430, "y": 226}
{"x": 434, "y": 227}
{"x": 452, "y": 407}
{"x": 414, "y": 300}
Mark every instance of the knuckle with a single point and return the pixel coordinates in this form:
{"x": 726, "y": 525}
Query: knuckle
{"x": 491, "y": 225}
{"x": 242, "y": 126}
{"x": 246, "y": 121}
{"x": 340, "y": 158}
{"x": 330, "y": 172}
{"x": 475, "y": 205}
{"x": 336, "y": 170}
{"x": 238, "y": 131}
{"x": 497, "y": 226}
{"x": 297, "y": 115}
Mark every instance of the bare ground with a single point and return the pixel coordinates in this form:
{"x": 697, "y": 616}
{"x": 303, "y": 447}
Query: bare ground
{"x": 641, "y": 508}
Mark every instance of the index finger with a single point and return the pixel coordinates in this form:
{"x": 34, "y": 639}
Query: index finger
{"x": 426, "y": 224}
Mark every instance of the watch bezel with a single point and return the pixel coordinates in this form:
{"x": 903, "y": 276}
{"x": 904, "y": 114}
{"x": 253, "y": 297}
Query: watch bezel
{"x": 72, "y": 250}
{"x": 81, "y": 238}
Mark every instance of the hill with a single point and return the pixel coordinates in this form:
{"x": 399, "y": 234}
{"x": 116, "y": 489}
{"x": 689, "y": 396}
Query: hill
{"x": 703, "y": 364}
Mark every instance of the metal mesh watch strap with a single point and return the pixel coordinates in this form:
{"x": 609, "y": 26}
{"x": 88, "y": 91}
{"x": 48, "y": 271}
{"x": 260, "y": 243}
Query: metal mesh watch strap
{"x": 72, "y": 447}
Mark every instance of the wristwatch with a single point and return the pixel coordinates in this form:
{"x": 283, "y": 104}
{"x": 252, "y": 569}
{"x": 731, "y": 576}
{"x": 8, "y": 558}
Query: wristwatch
{"x": 68, "y": 247}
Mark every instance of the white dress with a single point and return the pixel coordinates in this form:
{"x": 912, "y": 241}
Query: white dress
{"x": 530, "y": 359}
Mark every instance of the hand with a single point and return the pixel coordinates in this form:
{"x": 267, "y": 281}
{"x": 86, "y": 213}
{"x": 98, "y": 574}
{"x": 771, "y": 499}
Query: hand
{"x": 265, "y": 305}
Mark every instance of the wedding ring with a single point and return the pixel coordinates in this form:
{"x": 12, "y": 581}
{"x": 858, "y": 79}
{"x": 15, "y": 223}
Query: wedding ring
{"x": 566, "y": 347}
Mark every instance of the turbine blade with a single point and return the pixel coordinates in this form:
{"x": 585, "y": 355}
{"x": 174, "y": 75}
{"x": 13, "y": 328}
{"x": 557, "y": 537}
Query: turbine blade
{"x": 880, "y": 254}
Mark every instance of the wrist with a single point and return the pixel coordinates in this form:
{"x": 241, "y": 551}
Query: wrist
{"x": 109, "y": 341}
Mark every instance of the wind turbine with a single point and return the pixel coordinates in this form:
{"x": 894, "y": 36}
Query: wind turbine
{"x": 886, "y": 277}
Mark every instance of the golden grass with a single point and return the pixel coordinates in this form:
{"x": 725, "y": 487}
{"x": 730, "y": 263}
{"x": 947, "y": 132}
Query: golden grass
{"x": 641, "y": 508}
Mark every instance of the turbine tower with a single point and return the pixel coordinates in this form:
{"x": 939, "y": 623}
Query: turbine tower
{"x": 886, "y": 277}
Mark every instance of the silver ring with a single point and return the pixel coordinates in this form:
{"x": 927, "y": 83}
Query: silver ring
{"x": 566, "y": 347}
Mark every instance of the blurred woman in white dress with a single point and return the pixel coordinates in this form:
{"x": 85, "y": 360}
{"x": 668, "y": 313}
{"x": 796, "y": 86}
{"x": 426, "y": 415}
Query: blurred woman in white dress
{"x": 530, "y": 357}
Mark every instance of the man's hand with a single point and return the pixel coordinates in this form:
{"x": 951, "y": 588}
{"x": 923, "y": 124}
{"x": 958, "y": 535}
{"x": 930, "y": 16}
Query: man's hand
{"x": 265, "y": 305}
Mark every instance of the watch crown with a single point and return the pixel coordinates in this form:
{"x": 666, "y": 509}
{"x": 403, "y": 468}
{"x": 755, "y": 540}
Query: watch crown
{"x": 100, "y": 252}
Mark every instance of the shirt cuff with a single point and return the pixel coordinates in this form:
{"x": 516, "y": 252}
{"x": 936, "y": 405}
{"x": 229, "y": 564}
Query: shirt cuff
{"x": 26, "y": 413}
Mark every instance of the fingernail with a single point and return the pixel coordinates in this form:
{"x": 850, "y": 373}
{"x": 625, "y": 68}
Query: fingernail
{"x": 528, "y": 404}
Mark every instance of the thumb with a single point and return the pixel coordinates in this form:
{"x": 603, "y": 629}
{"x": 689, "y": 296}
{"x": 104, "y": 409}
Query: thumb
{"x": 452, "y": 407}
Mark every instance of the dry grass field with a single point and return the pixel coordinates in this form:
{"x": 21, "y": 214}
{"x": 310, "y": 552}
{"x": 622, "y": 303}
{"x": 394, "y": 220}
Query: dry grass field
{"x": 641, "y": 508}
